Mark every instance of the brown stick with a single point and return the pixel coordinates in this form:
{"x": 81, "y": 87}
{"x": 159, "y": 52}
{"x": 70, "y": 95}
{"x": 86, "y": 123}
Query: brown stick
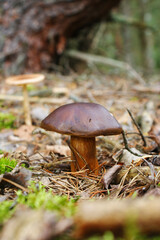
{"x": 34, "y": 99}
{"x": 106, "y": 61}
{"x": 15, "y": 184}
{"x": 126, "y": 145}
{"x": 138, "y": 128}
{"x": 115, "y": 215}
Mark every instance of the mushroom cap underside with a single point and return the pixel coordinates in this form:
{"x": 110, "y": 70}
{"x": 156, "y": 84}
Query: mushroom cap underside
{"x": 82, "y": 119}
{"x": 25, "y": 79}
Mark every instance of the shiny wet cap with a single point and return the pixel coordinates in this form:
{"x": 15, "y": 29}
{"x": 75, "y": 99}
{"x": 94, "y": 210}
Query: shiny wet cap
{"x": 82, "y": 119}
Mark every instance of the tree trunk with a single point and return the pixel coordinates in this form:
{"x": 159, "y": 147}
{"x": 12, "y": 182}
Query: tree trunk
{"x": 34, "y": 32}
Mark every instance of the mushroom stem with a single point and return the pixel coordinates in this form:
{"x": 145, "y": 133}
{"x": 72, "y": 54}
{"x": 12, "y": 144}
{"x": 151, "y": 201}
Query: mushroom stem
{"x": 84, "y": 154}
{"x": 26, "y": 106}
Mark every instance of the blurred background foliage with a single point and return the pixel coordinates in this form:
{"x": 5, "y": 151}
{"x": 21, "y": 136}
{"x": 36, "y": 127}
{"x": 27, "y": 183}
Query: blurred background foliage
{"x": 131, "y": 34}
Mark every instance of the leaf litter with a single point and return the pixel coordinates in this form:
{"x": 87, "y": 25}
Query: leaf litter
{"x": 126, "y": 169}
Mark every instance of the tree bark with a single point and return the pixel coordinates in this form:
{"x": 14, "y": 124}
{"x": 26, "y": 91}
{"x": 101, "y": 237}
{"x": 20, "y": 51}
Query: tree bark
{"x": 33, "y": 32}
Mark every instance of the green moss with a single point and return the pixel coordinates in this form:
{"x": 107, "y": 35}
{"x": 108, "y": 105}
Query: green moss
{"x": 31, "y": 87}
{"x": 6, "y": 120}
{"x": 6, "y": 165}
{"x": 134, "y": 99}
{"x": 110, "y": 236}
{"x": 38, "y": 197}
{"x": 106, "y": 236}
{"x": 5, "y": 210}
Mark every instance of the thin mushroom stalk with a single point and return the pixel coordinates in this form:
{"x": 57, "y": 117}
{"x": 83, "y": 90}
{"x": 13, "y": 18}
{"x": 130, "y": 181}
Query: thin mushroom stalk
{"x": 23, "y": 80}
{"x": 26, "y": 106}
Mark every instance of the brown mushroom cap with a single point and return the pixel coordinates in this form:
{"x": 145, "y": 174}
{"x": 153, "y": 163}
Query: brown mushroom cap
{"x": 82, "y": 119}
{"x": 25, "y": 79}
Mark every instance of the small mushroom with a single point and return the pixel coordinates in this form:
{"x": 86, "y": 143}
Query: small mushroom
{"x": 83, "y": 122}
{"x": 23, "y": 80}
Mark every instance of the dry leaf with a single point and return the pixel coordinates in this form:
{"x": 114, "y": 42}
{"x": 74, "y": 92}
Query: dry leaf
{"x": 24, "y": 132}
{"x": 16, "y": 179}
{"x": 60, "y": 149}
{"x": 155, "y": 131}
{"x": 127, "y": 158}
{"x": 110, "y": 174}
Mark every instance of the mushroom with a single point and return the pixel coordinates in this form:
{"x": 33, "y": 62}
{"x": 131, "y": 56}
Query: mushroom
{"x": 23, "y": 80}
{"x": 83, "y": 122}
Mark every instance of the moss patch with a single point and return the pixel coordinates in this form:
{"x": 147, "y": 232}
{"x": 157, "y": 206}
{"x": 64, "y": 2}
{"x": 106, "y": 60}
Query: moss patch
{"x": 6, "y": 165}
{"x": 38, "y": 198}
{"x": 6, "y": 120}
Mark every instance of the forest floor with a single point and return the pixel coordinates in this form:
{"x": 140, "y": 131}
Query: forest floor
{"x": 129, "y": 170}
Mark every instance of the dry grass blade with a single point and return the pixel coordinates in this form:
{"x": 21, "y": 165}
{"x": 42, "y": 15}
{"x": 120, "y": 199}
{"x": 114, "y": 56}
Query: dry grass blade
{"x": 15, "y": 184}
{"x": 121, "y": 184}
{"x": 75, "y": 183}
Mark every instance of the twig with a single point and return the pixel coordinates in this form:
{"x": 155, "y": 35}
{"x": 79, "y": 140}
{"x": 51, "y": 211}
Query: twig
{"x": 33, "y": 99}
{"x": 125, "y": 140}
{"x": 138, "y": 128}
{"x": 107, "y": 61}
{"x": 153, "y": 172}
{"x": 118, "y": 18}
{"x": 15, "y": 184}
{"x": 126, "y": 145}
{"x": 99, "y": 191}
{"x": 112, "y": 215}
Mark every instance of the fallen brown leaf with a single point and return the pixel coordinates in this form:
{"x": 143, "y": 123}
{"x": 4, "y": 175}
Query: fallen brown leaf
{"x": 24, "y": 132}
{"x": 18, "y": 179}
{"x": 60, "y": 149}
{"x": 110, "y": 174}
